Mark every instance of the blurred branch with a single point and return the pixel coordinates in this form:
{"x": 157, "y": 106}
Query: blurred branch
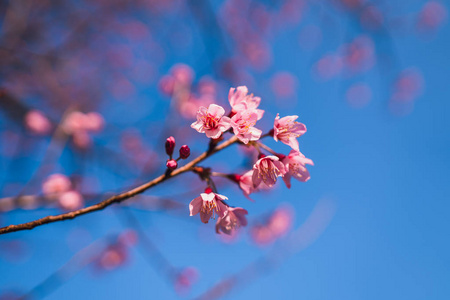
{"x": 117, "y": 198}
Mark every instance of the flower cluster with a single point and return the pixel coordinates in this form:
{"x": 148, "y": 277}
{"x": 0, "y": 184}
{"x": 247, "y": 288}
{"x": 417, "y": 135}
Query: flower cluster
{"x": 58, "y": 187}
{"x": 241, "y": 121}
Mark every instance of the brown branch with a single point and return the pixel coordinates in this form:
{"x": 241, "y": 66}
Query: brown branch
{"x": 117, "y": 198}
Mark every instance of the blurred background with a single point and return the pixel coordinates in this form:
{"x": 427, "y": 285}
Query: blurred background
{"x": 90, "y": 90}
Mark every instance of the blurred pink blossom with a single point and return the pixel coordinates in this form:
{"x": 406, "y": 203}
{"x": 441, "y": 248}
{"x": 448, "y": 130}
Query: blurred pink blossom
{"x": 432, "y": 16}
{"x": 71, "y": 200}
{"x": 185, "y": 279}
{"x": 283, "y": 84}
{"x": 37, "y": 122}
{"x": 358, "y": 95}
{"x": 277, "y": 225}
{"x": 55, "y": 185}
{"x": 233, "y": 218}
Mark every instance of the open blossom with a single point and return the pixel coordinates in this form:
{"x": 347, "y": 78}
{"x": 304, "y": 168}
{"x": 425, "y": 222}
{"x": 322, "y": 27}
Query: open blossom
{"x": 208, "y": 205}
{"x": 266, "y": 170}
{"x": 239, "y": 101}
{"x": 211, "y": 121}
{"x": 242, "y": 123}
{"x": 233, "y": 218}
{"x": 295, "y": 164}
{"x": 287, "y": 130}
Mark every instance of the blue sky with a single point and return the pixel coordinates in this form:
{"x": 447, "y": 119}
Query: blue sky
{"x": 387, "y": 176}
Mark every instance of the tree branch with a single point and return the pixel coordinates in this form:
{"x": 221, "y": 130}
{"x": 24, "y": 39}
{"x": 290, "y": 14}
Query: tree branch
{"x": 117, "y": 198}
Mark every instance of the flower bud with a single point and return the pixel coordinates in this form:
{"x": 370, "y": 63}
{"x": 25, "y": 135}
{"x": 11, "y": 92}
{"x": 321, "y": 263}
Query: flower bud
{"x": 185, "y": 152}
{"x": 170, "y": 145}
{"x": 172, "y": 164}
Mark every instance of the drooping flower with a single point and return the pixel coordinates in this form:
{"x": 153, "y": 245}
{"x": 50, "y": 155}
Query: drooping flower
{"x": 287, "y": 130}
{"x": 242, "y": 123}
{"x": 240, "y": 101}
{"x": 211, "y": 121}
{"x": 266, "y": 170}
{"x": 246, "y": 184}
{"x": 208, "y": 205}
{"x": 233, "y": 218}
{"x": 295, "y": 164}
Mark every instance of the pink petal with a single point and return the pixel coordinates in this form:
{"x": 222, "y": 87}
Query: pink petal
{"x": 256, "y": 178}
{"x": 208, "y": 197}
{"x": 195, "y": 206}
{"x": 205, "y": 217}
{"x": 287, "y": 180}
{"x": 216, "y": 110}
{"x": 214, "y": 133}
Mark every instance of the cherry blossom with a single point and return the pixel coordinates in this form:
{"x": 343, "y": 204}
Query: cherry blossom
{"x": 287, "y": 130}
{"x": 242, "y": 123}
{"x": 211, "y": 121}
{"x": 266, "y": 170}
{"x": 295, "y": 165}
{"x": 240, "y": 101}
{"x": 233, "y": 218}
{"x": 71, "y": 200}
{"x": 55, "y": 185}
{"x": 208, "y": 205}
{"x": 37, "y": 122}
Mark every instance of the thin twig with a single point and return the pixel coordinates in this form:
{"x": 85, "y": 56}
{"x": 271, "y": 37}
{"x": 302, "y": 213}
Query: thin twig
{"x": 117, "y": 198}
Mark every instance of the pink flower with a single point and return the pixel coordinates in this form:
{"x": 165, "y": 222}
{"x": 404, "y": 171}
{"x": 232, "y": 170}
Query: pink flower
{"x": 55, "y": 185}
{"x": 211, "y": 121}
{"x": 266, "y": 170}
{"x": 242, "y": 123}
{"x": 239, "y": 101}
{"x": 246, "y": 184}
{"x": 295, "y": 164}
{"x": 287, "y": 130}
{"x": 276, "y": 226}
{"x": 71, "y": 200}
{"x": 94, "y": 122}
{"x": 37, "y": 122}
{"x": 208, "y": 205}
{"x": 233, "y": 218}
{"x": 185, "y": 279}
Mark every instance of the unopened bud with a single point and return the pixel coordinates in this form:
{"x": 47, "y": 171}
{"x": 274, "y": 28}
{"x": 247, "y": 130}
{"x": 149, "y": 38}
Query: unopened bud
{"x": 172, "y": 164}
{"x": 185, "y": 152}
{"x": 170, "y": 145}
